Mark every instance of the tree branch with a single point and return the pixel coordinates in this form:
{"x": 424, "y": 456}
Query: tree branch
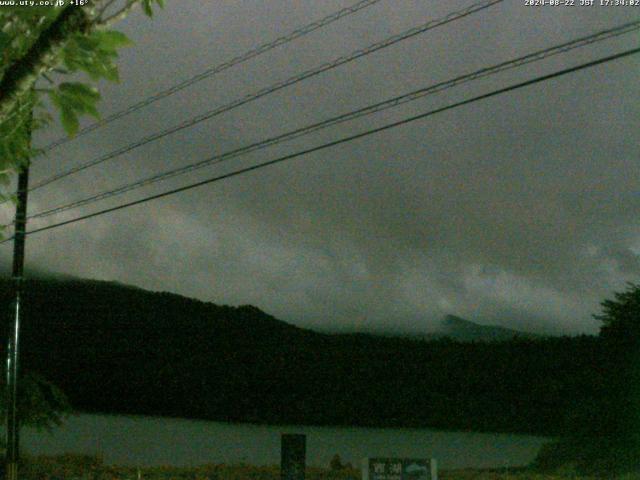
{"x": 104, "y": 8}
{"x": 118, "y": 15}
{"x": 22, "y": 75}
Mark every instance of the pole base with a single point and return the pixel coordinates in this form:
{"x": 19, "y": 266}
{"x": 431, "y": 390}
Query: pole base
{"x": 12, "y": 471}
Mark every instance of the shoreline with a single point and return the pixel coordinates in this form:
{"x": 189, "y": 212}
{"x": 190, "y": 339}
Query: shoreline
{"x": 151, "y": 441}
{"x": 85, "y": 466}
{"x": 267, "y": 424}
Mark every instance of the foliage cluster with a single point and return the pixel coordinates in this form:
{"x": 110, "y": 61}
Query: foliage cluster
{"x": 52, "y": 43}
{"x": 603, "y": 456}
{"x": 41, "y": 404}
{"x": 40, "y": 49}
{"x": 606, "y": 437}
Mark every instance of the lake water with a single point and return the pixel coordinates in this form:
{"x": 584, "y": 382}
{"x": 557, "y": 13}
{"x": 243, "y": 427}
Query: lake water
{"x": 148, "y": 441}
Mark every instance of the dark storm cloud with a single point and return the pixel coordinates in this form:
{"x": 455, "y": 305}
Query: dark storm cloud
{"x": 520, "y": 210}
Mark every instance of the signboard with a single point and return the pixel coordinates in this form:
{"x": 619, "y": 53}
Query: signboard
{"x": 399, "y": 469}
{"x": 292, "y": 456}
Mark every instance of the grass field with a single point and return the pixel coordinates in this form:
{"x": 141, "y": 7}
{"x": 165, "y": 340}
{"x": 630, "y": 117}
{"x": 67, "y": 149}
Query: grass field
{"x": 75, "y": 467}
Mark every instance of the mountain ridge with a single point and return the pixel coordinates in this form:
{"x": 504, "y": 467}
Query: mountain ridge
{"x": 460, "y": 329}
{"x": 115, "y": 349}
{"x": 450, "y": 326}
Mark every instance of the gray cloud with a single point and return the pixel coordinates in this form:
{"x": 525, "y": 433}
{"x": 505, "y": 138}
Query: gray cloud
{"x": 521, "y": 210}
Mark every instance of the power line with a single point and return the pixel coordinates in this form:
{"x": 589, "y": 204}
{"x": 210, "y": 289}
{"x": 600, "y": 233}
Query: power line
{"x": 339, "y": 141}
{"x": 368, "y": 110}
{"x": 275, "y": 87}
{"x": 265, "y": 47}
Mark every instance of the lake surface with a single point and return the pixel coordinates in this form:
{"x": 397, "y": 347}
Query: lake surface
{"x": 148, "y": 441}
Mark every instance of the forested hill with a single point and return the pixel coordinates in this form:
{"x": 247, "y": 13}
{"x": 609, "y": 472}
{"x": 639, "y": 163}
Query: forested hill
{"x": 118, "y": 349}
{"x": 458, "y": 328}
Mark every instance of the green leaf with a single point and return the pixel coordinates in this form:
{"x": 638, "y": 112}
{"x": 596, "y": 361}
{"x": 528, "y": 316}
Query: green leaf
{"x": 95, "y": 54}
{"x": 146, "y": 8}
{"x": 5, "y": 41}
{"x": 111, "y": 40}
{"x": 69, "y": 120}
{"x": 85, "y": 93}
{"x": 87, "y": 43}
{"x": 69, "y": 107}
{"x": 74, "y": 99}
{"x": 109, "y": 71}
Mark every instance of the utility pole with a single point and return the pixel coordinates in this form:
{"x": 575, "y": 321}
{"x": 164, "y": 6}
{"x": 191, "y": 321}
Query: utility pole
{"x": 13, "y": 419}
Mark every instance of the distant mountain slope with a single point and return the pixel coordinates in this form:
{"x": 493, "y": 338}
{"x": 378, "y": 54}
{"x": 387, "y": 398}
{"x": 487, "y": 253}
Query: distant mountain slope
{"x": 463, "y": 330}
{"x": 119, "y": 349}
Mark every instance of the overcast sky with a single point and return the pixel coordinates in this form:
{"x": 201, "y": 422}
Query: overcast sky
{"x": 521, "y": 210}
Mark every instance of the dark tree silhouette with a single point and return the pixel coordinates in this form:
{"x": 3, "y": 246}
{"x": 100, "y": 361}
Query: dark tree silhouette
{"x": 620, "y": 333}
{"x": 621, "y": 317}
{"x": 604, "y": 435}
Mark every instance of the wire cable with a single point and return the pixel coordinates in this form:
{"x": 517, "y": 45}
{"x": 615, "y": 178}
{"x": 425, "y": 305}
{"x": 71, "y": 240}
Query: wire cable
{"x": 368, "y": 110}
{"x": 265, "y": 47}
{"x": 338, "y": 142}
{"x": 273, "y": 88}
